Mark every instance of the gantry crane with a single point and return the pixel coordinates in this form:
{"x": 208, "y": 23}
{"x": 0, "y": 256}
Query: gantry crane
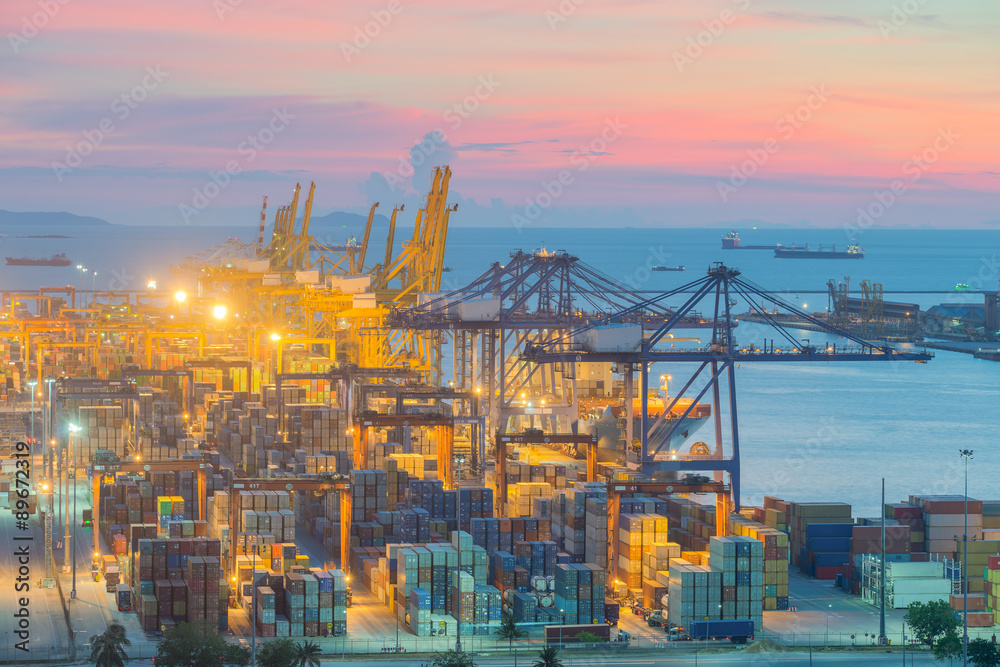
{"x": 443, "y": 426}
{"x": 717, "y": 362}
{"x": 317, "y": 485}
{"x": 539, "y": 438}
{"x": 111, "y": 468}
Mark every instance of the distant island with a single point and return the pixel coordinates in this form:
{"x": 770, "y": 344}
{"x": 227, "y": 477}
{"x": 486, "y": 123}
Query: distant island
{"x": 44, "y": 236}
{"x": 39, "y": 218}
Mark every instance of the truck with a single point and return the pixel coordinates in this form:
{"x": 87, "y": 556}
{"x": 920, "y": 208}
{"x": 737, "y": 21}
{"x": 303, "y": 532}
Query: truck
{"x": 123, "y": 596}
{"x": 611, "y": 612}
{"x": 736, "y": 631}
{"x": 656, "y": 619}
{"x": 567, "y": 634}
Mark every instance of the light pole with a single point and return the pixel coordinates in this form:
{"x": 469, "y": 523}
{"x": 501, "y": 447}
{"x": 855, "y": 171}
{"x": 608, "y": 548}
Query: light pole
{"x": 73, "y": 430}
{"x": 253, "y": 603}
{"x": 828, "y": 608}
{"x": 965, "y": 454}
{"x": 31, "y": 385}
{"x": 253, "y": 599}
{"x": 459, "y": 460}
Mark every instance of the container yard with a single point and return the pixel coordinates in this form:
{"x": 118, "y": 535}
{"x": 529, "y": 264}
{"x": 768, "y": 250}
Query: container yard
{"x": 280, "y": 451}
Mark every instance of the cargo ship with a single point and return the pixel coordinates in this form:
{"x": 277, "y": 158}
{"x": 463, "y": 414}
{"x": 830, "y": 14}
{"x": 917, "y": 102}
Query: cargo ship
{"x": 608, "y": 424}
{"x": 56, "y": 260}
{"x": 853, "y": 251}
{"x": 667, "y": 268}
{"x": 731, "y": 241}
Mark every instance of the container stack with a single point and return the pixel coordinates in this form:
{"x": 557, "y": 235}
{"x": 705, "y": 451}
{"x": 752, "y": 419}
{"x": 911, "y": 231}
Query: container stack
{"x": 506, "y": 574}
{"x": 537, "y": 558}
{"x": 695, "y": 593}
{"x": 501, "y": 534}
{"x": 691, "y": 524}
{"x": 911, "y": 516}
{"x": 487, "y": 607}
{"x": 775, "y": 559}
{"x": 992, "y": 587}
{"x": 176, "y": 580}
{"x": 463, "y": 597}
{"x": 369, "y": 491}
{"x": 569, "y": 517}
{"x": 579, "y": 593}
{"x": 806, "y": 514}
{"x": 519, "y": 497}
{"x": 944, "y": 518}
{"x": 980, "y": 551}
{"x": 101, "y": 427}
{"x": 867, "y": 539}
{"x": 596, "y": 537}
{"x": 656, "y": 572}
{"x": 826, "y": 550}
{"x": 741, "y": 562}
{"x": 636, "y": 535}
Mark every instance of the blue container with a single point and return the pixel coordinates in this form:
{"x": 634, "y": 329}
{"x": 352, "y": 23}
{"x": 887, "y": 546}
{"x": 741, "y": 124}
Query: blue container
{"x": 830, "y": 544}
{"x": 829, "y": 530}
{"x": 831, "y": 559}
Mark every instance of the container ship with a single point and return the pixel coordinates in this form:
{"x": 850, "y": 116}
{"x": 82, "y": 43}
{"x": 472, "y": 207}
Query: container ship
{"x": 609, "y": 426}
{"x": 56, "y": 260}
{"x": 853, "y": 251}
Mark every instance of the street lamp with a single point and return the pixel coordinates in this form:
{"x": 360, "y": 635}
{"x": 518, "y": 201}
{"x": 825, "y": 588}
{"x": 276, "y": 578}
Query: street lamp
{"x": 966, "y": 454}
{"x": 828, "y": 608}
{"x": 31, "y": 386}
{"x": 459, "y": 460}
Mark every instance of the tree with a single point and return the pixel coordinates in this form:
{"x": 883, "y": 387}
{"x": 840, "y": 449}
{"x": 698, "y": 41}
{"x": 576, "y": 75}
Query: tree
{"x": 453, "y": 659}
{"x": 307, "y": 654}
{"x": 931, "y": 620}
{"x": 108, "y": 648}
{"x": 195, "y": 645}
{"x": 948, "y": 647}
{"x": 278, "y": 653}
{"x": 548, "y": 657}
{"x": 588, "y": 637}
{"x": 983, "y": 653}
{"x": 509, "y": 629}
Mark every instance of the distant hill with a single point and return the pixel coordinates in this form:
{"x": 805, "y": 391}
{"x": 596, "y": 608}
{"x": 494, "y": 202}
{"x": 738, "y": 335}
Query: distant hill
{"x": 37, "y": 218}
{"x": 344, "y": 219}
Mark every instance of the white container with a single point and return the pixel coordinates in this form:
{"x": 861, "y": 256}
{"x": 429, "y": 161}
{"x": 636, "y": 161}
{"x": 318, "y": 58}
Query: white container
{"x": 616, "y": 338}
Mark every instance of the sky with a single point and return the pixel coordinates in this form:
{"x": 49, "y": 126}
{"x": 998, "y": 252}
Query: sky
{"x": 601, "y": 113}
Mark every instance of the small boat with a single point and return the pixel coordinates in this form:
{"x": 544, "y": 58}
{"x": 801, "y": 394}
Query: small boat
{"x": 667, "y": 268}
{"x": 445, "y": 269}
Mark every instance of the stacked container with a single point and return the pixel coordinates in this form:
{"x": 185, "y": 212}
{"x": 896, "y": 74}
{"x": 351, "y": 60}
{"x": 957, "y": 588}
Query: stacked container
{"x": 695, "y": 592}
{"x": 741, "y": 563}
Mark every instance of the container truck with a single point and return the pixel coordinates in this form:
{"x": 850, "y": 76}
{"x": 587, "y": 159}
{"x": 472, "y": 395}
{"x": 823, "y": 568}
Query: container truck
{"x": 736, "y": 631}
{"x": 123, "y": 596}
{"x": 611, "y": 612}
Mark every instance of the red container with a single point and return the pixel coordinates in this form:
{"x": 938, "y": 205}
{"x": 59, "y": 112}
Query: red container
{"x": 829, "y": 572}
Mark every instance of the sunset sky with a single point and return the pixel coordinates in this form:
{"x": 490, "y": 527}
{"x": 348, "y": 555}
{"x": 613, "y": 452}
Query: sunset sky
{"x": 573, "y": 112}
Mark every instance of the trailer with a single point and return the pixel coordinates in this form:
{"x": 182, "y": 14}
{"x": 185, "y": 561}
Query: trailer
{"x": 736, "y": 631}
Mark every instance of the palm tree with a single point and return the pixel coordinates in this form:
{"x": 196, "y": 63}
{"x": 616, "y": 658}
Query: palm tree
{"x": 307, "y": 654}
{"x": 509, "y": 629}
{"x": 107, "y": 649}
{"x": 548, "y": 657}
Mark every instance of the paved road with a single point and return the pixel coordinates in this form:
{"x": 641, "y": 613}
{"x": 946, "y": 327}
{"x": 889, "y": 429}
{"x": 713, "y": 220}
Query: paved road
{"x": 47, "y": 623}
